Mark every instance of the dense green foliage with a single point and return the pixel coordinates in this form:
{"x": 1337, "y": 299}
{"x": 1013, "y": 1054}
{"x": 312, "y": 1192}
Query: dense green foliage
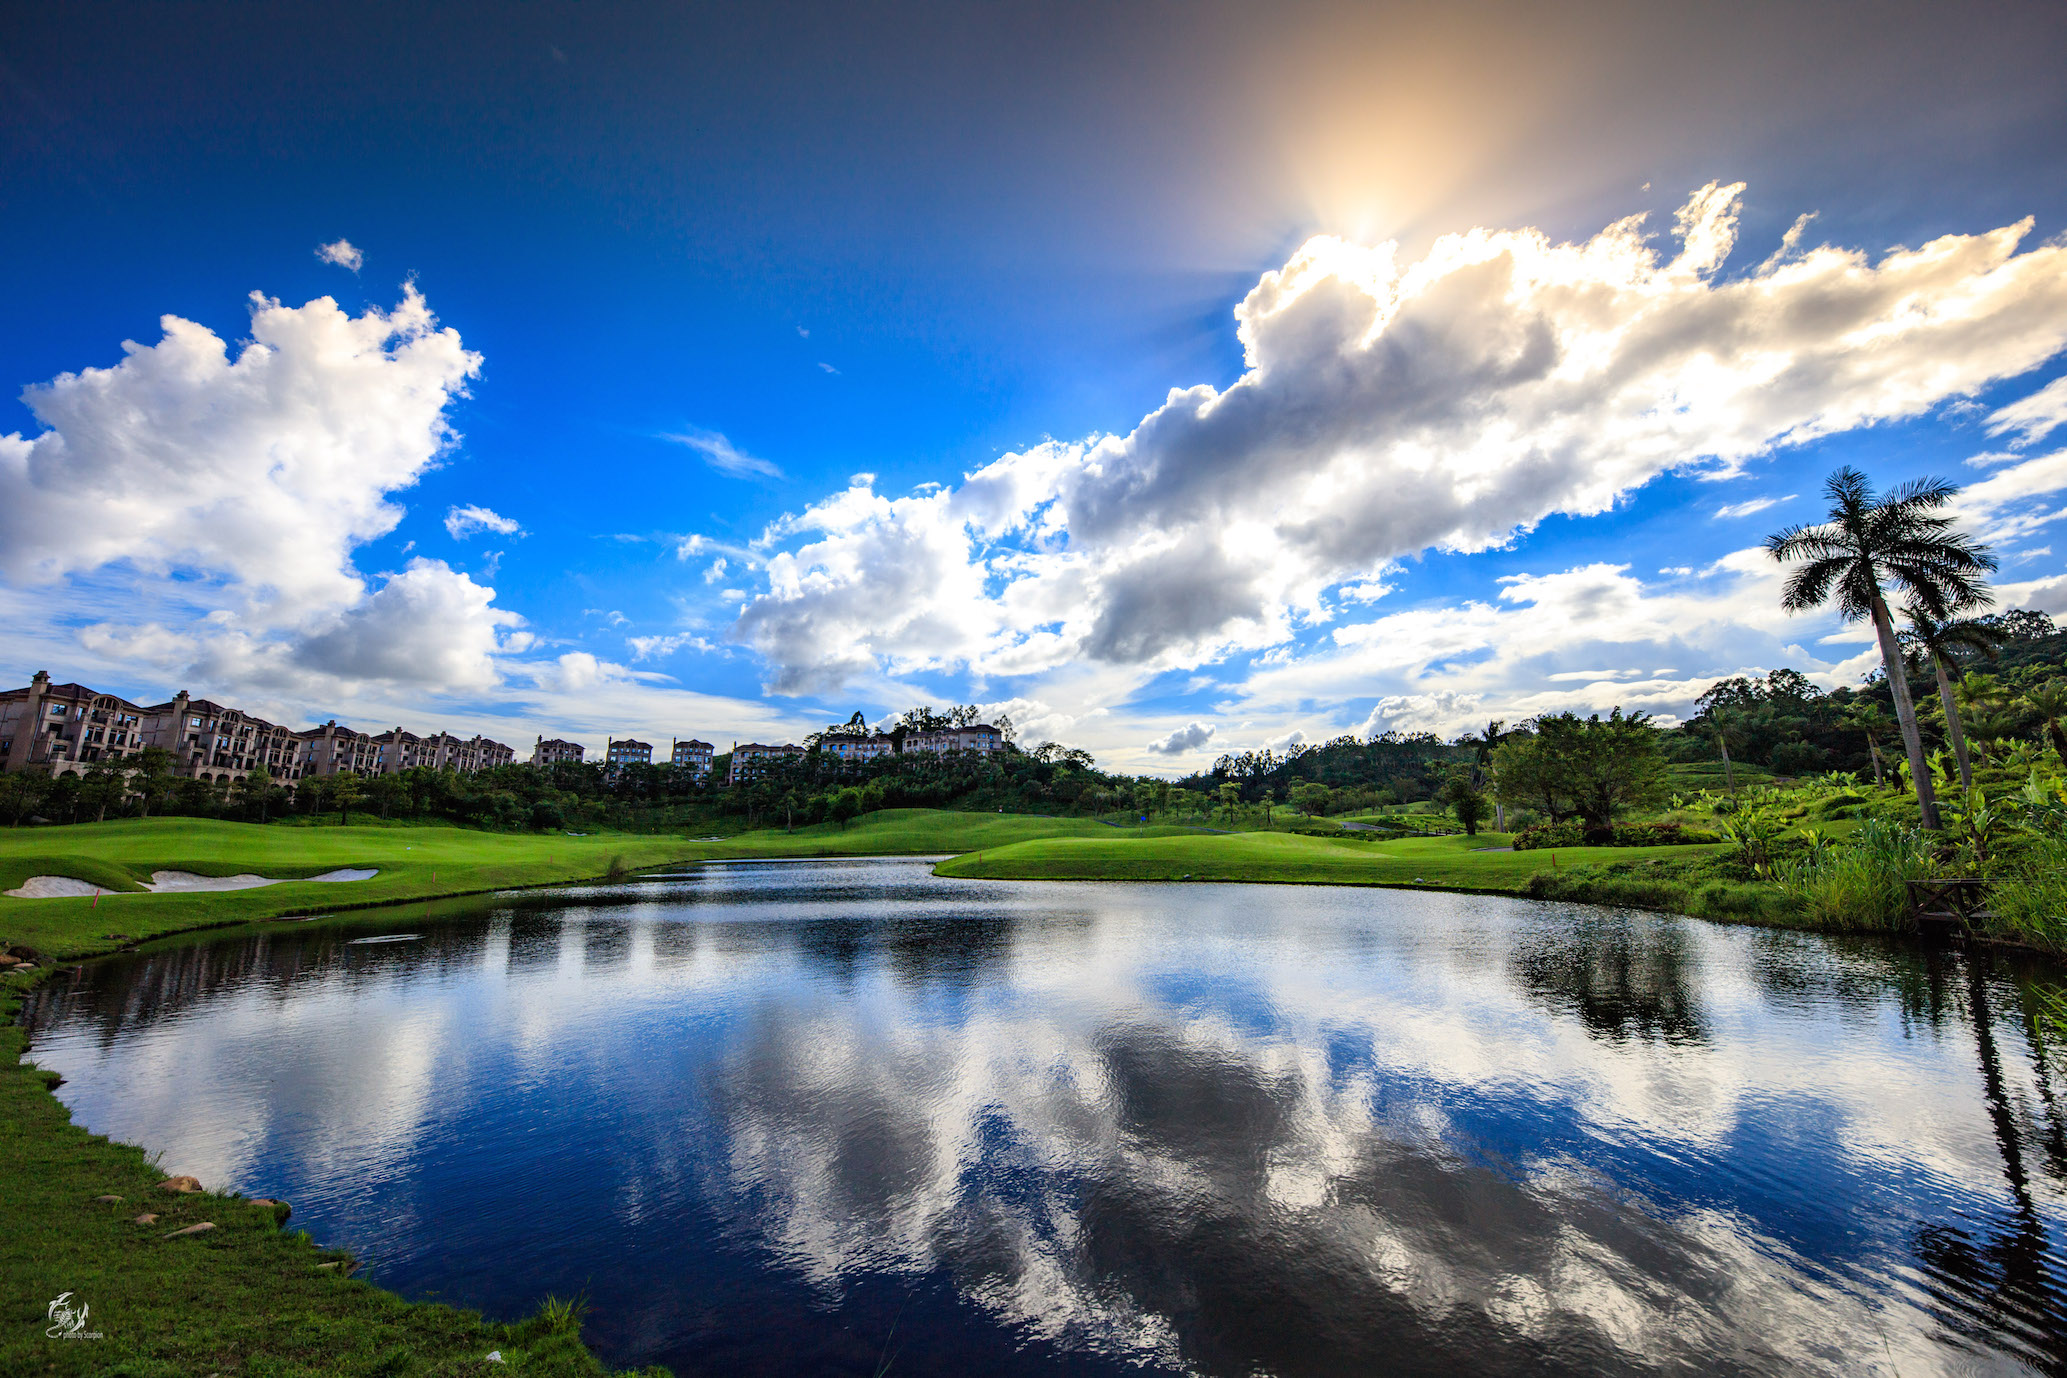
{"x": 1359, "y": 773}
{"x": 1590, "y": 769}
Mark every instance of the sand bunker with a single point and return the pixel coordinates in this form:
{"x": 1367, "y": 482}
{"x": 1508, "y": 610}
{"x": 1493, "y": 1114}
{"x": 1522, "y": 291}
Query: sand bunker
{"x": 169, "y": 882}
{"x": 54, "y": 888}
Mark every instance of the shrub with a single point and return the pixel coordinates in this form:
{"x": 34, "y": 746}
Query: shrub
{"x": 1572, "y": 834}
{"x": 1548, "y": 835}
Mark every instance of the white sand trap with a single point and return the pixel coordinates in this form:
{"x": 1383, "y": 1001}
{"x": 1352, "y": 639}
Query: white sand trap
{"x": 172, "y": 882}
{"x": 168, "y": 882}
{"x": 54, "y": 888}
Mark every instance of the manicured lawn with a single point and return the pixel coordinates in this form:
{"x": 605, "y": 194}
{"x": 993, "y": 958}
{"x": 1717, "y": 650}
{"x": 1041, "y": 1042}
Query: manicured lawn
{"x": 1447, "y": 862}
{"x": 413, "y": 863}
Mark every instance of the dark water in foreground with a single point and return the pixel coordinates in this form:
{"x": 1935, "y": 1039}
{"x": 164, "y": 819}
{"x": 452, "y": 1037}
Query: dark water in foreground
{"x": 817, "y": 1117}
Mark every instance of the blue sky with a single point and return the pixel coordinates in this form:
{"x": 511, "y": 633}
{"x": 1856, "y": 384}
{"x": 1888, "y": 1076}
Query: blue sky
{"x": 679, "y": 276}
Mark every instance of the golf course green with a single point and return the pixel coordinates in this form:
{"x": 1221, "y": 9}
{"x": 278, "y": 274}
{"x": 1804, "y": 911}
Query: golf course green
{"x": 1480, "y": 863}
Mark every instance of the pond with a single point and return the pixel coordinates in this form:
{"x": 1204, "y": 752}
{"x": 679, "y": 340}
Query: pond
{"x": 828, "y": 1117}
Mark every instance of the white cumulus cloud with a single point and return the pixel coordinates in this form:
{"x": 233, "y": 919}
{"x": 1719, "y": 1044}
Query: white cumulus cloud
{"x": 254, "y": 477}
{"x": 1389, "y": 407}
{"x": 264, "y": 470}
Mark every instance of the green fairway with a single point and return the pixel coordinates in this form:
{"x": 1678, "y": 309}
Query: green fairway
{"x": 413, "y": 863}
{"x": 1449, "y": 862}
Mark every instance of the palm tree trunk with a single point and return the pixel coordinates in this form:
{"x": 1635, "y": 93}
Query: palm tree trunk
{"x": 1953, "y": 729}
{"x": 1729, "y": 778}
{"x": 1874, "y": 751}
{"x": 1905, "y": 712}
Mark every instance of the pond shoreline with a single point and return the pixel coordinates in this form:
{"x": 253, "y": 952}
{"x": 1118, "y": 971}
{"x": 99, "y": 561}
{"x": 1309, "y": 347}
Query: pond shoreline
{"x": 612, "y": 934}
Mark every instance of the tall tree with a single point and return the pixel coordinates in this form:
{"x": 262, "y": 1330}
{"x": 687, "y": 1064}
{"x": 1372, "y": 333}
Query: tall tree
{"x": 1727, "y": 725}
{"x": 1940, "y": 639}
{"x": 1592, "y": 768}
{"x": 1873, "y": 540}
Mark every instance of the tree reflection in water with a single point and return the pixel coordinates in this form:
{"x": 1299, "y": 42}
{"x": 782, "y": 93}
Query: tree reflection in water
{"x": 1625, "y": 974}
{"x": 1995, "y": 1280}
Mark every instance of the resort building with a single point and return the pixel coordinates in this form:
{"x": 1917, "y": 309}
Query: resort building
{"x": 979, "y": 736}
{"x": 750, "y": 762}
{"x": 855, "y": 749}
{"x": 618, "y": 755}
{"x": 548, "y": 753}
{"x": 692, "y": 756}
{"x": 64, "y": 728}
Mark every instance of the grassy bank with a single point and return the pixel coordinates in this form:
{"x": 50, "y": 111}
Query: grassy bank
{"x": 246, "y": 1297}
{"x": 1453, "y": 863}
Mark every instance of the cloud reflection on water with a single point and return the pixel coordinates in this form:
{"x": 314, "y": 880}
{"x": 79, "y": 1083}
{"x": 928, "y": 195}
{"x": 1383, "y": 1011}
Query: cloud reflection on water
{"x": 1231, "y": 1129}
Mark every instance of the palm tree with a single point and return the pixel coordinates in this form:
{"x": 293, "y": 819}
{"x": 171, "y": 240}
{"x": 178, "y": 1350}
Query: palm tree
{"x": 1874, "y": 538}
{"x": 2049, "y": 701}
{"x": 1865, "y": 716}
{"x": 1938, "y": 638}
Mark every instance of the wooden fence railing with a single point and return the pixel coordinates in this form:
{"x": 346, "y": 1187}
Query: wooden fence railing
{"x": 1949, "y": 908}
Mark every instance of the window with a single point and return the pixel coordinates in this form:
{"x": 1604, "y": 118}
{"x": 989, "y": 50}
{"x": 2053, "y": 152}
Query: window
{"x": 57, "y": 710}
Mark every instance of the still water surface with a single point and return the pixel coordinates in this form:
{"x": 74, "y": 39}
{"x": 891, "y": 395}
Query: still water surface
{"x": 824, "y": 1117}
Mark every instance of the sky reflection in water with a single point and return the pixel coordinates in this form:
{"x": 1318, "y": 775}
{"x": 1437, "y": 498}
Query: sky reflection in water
{"x": 804, "y": 1117}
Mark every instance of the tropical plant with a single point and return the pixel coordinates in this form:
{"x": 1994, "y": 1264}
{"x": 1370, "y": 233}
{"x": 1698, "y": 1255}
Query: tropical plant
{"x": 2049, "y": 701}
{"x": 1938, "y": 639}
{"x": 1979, "y": 827}
{"x": 1757, "y": 833}
{"x": 1872, "y": 540}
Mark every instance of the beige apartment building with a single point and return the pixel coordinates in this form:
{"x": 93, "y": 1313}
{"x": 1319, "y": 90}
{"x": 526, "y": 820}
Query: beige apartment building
{"x": 63, "y": 728}
{"x": 550, "y": 753}
{"x": 859, "y": 748}
{"x": 692, "y": 756}
{"x": 980, "y": 736}
{"x": 750, "y": 761}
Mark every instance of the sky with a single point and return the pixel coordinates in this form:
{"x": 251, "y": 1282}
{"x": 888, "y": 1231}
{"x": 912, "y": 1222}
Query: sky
{"x": 1177, "y": 379}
